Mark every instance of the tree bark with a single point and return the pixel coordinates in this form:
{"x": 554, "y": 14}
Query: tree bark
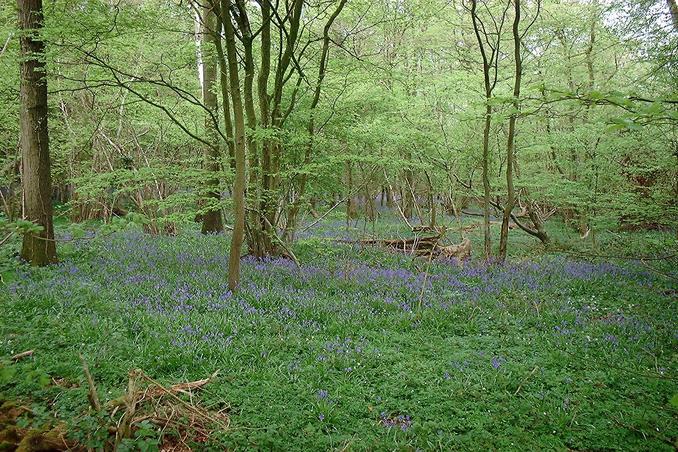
{"x": 225, "y": 102}
{"x": 211, "y": 220}
{"x": 239, "y": 120}
{"x": 487, "y": 63}
{"x": 350, "y": 202}
{"x": 259, "y": 237}
{"x": 408, "y": 196}
{"x": 487, "y": 238}
{"x": 510, "y": 147}
{"x": 265, "y": 175}
{"x": 38, "y": 248}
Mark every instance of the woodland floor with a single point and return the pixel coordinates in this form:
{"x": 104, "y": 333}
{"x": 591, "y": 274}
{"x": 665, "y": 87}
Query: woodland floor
{"x": 358, "y": 349}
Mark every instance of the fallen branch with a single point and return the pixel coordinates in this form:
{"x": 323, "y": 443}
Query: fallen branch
{"x": 424, "y": 246}
{"x": 184, "y": 388}
{"x": 22, "y": 355}
{"x": 92, "y": 395}
{"x": 7, "y": 237}
{"x": 192, "y": 408}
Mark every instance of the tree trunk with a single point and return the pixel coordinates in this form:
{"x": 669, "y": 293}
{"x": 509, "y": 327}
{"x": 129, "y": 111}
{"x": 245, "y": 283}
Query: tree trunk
{"x": 370, "y": 209}
{"x": 350, "y": 202}
{"x": 239, "y": 120}
{"x": 538, "y": 225}
{"x": 389, "y": 197}
{"x": 259, "y": 237}
{"x": 489, "y": 87}
{"x": 38, "y": 248}
{"x": 211, "y": 220}
{"x": 510, "y": 147}
{"x": 225, "y": 102}
{"x": 487, "y": 242}
{"x": 408, "y": 192}
{"x": 267, "y": 213}
{"x": 273, "y": 149}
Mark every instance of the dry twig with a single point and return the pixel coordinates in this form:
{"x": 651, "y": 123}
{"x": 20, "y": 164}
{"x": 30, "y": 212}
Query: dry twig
{"x": 22, "y": 355}
{"x": 92, "y": 395}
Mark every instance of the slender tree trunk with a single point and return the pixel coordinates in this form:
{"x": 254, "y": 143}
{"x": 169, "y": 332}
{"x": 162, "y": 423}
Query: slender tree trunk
{"x": 38, "y": 248}
{"x": 431, "y": 201}
{"x": 510, "y": 147}
{"x": 389, "y": 197}
{"x": 487, "y": 238}
{"x": 408, "y": 197}
{"x": 267, "y": 212}
{"x": 370, "y": 208}
{"x": 239, "y": 120}
{"x": 211, "y": 220}
{"x": 489, "y": 87}
{"x": 225, "y": 102}
{"x": 350, "y": 202}
{"x": 259, "y": 239}
{"x": 583, "y": 217}
{"x": 434, "y": 218}
{"x": 589, "y": 51}
{"x": 570, "y": 172}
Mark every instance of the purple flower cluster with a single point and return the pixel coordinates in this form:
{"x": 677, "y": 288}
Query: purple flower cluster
{"x": 497, "y": 361}
{"x": 401, "y": 421}
{"x": 180, "y": 282}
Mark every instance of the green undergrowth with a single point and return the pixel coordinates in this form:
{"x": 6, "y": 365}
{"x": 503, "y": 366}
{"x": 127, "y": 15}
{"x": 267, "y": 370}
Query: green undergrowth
{"x": 360, "y": 349}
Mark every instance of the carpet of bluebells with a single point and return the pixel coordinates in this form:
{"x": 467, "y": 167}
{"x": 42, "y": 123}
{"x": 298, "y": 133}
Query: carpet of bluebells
{"x": 360, "y": 348}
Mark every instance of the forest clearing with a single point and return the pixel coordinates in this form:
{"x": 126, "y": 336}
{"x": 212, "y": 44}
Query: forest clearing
{"x": 338, "y": 225}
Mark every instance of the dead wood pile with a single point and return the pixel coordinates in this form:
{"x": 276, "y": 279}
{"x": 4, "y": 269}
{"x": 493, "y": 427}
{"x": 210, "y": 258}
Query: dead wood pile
{"x": 149, "y": 401}
{"x": 426, "y": 242}
{"x": 171, "y": 412}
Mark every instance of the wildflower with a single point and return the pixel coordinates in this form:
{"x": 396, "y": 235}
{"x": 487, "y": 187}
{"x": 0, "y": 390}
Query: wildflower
{"x": 403, "y": 421}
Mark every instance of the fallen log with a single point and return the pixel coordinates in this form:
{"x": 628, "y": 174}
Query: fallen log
{"x": 429, "y": 246}
{"x": 416, "y": 245}
{"x": 22, "y": 355}
{"x": 459, "y": 251}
